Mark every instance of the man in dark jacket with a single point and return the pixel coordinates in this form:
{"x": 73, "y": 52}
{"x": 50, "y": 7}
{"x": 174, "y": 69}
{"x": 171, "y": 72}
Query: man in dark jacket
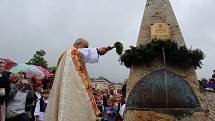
{"x": 19, "y": 102}
{"x": 4, "y": 88}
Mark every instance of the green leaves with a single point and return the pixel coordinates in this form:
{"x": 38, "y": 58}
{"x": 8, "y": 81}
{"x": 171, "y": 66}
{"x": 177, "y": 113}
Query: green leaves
{"x": 175, "y": 55}
{"x": 38, "y": 59}
{"x": 119, "y": 48}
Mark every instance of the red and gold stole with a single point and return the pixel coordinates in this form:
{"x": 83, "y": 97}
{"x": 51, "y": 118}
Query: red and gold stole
{"x": 81, "y": 67}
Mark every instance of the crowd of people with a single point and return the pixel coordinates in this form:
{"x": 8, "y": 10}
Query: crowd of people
{"x": 111, "y": 106}
{"x": 22, "y": 99}
{"x": 208, "y": 85}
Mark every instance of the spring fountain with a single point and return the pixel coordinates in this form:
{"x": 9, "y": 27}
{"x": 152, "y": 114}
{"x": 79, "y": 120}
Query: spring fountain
{"x": 162, "y": 92}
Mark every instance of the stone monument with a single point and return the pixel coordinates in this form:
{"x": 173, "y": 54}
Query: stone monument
{"x": 155, "y": 94}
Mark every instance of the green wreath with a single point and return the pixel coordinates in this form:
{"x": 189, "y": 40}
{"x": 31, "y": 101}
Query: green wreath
{"x": 175, "y": 55}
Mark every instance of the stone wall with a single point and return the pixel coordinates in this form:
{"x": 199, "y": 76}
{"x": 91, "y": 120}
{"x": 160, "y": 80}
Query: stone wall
{"x": 153, "y": 116}
{"x": 207, "y": 100}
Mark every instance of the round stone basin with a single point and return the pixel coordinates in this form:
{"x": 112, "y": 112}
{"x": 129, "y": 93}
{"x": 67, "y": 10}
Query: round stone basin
{"x": 164, "y": 92}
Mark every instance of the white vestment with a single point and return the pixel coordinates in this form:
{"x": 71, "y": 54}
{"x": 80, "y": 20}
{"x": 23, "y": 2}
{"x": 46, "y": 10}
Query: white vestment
{"x": 69, "y": 99}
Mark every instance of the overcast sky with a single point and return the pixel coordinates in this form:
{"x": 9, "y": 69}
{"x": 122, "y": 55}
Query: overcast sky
{"x": 53, "y": 25}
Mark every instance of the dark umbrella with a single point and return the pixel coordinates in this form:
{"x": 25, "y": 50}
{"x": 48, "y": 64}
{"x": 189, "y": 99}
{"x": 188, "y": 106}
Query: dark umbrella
{"x": 9, "y": 63}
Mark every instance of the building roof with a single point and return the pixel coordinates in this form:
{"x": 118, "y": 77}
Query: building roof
{"x": 101, "y": 78}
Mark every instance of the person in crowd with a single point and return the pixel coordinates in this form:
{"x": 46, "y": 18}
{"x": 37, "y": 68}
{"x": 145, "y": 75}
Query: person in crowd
{"x": 22, "y": 76}
{"x": 4, "y": 88}
{"x": 210, "y": 86}
{"x": 105, "y": 98}
{"x": 122, "y": 111}
{"x": 19, "y": 102}
{"x": 38, "y": 88}
{"x": 118, "y": 104}
{"x": 213, "y": 76}
{"x": 99, "y": 95}
{"x": 124, "y": 90}
{"x": 111, "y": 93}
{"x": 14, "y": 78}
{"x": 33, "y": 81}
{"x": 41, "y": 106}
{"x": 203, "y": 83}
{"x": 48, "y": 83}
{"x": 100, "y": 106}
{"x": 110, "y": 111}
{"x": 45, "y": 81}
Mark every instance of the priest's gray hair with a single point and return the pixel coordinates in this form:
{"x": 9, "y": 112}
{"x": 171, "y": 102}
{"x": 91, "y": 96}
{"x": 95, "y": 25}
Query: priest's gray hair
{"x": 78, "y": 41}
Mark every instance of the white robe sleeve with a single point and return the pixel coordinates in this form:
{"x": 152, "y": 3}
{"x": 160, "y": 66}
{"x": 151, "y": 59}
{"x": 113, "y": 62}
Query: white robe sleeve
{"x": 90, "y": 55}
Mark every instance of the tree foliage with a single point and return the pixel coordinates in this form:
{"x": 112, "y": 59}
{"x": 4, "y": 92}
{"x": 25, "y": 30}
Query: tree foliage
{"x": 38, "y": 59}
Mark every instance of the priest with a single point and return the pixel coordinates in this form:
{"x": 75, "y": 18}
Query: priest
{"x": 71, "y": 97}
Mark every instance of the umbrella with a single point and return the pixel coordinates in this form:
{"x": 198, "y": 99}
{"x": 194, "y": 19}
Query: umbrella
{"x": 9, "y": 63}
{"x": 30, "y": 70}
{"x": 47, "y": 74}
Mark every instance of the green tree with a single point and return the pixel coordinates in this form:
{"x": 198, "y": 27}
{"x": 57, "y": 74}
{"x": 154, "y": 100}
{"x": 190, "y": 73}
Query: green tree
{"x": 38, "y": 59}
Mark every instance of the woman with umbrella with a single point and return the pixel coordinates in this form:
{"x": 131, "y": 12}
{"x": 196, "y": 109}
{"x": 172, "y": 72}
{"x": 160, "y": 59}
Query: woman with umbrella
{"x": 8, "y": 63}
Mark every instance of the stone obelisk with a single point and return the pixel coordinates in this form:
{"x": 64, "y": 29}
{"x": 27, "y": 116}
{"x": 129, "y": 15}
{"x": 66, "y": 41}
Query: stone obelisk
{"x": 150, "y": 96}
{"x": 159, "y": 11}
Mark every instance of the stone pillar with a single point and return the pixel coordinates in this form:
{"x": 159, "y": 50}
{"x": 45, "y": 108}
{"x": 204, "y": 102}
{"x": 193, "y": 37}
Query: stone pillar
{"x": 160, "y": 12}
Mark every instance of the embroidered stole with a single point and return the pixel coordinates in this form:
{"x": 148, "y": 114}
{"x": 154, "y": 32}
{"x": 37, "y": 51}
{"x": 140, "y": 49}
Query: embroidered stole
{"x": 81, "y": 68}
